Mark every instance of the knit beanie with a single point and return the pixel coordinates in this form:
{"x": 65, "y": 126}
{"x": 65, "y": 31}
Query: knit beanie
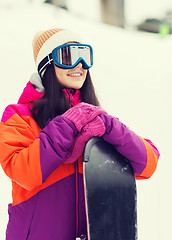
{"x": 45, "y": 41}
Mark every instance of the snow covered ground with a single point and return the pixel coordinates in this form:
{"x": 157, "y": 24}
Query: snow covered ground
{"x": 132, "y": 74}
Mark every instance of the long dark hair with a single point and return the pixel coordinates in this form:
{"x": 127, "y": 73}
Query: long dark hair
{"x": 54, "y": 102}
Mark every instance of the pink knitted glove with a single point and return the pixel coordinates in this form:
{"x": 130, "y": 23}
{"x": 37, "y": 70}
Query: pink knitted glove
{"x": 82, "y": 113}
{"x": 94, "y": 128}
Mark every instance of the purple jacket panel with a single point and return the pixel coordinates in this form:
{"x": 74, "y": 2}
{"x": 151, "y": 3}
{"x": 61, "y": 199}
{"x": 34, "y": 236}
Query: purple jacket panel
{"x": 126, "y": 142}
{"x": 50, "y": 214}
{"x": 20, "y": 217}
{"x": 56, "y": 140}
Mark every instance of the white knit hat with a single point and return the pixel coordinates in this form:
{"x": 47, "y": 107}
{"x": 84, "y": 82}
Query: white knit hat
{"x": 45, "y": 41}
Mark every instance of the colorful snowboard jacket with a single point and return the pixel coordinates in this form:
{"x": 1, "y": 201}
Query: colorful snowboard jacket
{"x": 48, "y": 196}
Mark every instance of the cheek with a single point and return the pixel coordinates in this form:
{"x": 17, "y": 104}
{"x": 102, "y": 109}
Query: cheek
{"x": 85, "y": 73}
{"x": 60, "y": 74}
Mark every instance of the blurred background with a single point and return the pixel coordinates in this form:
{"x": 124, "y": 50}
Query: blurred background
{"x": 132, "y": 74}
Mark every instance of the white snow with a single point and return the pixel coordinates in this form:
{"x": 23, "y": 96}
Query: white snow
{"x": 139, "y": 10}
{"x": 132, "y": 74}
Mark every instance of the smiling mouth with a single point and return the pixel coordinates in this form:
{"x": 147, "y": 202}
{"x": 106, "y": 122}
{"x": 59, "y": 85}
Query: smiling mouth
{"x": 75, "y": 74}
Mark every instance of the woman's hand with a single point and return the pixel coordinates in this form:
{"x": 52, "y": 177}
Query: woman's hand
{"x": 82, "y": 113}
{"x": 94, "y": 128}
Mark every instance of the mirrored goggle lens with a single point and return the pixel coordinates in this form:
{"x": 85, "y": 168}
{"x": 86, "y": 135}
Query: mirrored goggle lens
{"x": 69, "y": 55}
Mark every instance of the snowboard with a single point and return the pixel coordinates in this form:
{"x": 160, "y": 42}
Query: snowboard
{"x": 110, "y": 193}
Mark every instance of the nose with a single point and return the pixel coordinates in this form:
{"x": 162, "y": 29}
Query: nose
{"x": 79, "y": 65}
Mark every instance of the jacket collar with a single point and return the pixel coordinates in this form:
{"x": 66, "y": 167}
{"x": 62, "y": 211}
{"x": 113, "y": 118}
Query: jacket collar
{"x": 72, "y": 95}
{"x": 30, "y": 94}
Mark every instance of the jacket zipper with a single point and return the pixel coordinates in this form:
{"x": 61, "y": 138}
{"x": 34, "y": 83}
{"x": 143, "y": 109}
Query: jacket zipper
{"x": 77, "y": 198}
{"x": 70, "y": 94}
{"x": 76, "y": 174}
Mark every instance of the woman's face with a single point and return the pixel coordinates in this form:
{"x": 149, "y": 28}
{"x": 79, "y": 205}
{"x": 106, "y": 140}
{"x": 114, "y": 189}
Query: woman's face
{"x": 71, "y": 78}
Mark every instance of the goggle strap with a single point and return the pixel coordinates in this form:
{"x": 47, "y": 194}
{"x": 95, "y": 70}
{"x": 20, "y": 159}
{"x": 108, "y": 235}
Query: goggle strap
{"x": 47, "y": 60}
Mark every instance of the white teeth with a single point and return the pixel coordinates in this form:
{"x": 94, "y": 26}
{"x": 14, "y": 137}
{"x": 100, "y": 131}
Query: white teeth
{"x": 75, "y": 74}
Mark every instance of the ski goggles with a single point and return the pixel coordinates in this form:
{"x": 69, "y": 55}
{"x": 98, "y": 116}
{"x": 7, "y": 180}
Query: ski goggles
{"x": 68, "y": 56}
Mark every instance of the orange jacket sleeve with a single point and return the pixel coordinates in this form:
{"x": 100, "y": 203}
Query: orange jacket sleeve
{"x": 19, "y": 149}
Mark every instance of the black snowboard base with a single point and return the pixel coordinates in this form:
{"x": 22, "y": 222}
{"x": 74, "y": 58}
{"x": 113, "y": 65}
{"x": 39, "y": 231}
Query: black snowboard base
{"x": 110, "y": 190}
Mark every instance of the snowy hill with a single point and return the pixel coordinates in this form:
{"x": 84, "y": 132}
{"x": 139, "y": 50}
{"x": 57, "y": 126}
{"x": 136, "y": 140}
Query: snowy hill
{"x": 132, "y": 74}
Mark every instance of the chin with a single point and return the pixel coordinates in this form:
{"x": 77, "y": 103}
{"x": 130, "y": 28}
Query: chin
{"x": 77, "y": 86}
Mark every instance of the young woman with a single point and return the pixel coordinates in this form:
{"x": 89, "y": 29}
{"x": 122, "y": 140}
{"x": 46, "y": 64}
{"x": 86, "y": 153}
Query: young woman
{"x": 42, "y": 138}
